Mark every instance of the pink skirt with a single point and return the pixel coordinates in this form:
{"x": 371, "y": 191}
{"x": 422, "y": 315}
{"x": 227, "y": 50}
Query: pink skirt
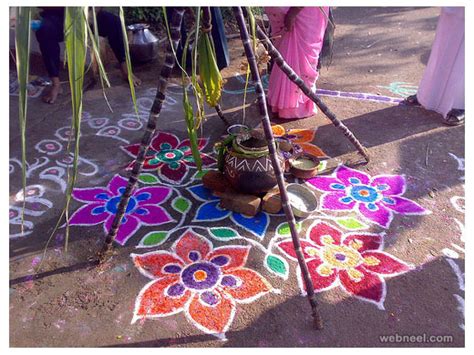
{"x": 300, "y": 48}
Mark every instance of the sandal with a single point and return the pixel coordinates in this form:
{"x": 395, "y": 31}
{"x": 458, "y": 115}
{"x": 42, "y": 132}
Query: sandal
{"x": 411, "y": 101}
{"x": 455, "y": 117}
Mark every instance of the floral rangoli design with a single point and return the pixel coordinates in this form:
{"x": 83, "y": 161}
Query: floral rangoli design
{"x": 301, "y": 137}
{"x": 210, "y": 211}
{"x": 375, "y": 198}
{"x": 170, "y": 157}
{"x": 101, "y": 205}
{"x": 354, "y": 261}
{"x": 204, "y": 282}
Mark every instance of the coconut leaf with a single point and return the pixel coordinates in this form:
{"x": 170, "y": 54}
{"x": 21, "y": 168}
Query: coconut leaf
{"x": 22, "y": 46}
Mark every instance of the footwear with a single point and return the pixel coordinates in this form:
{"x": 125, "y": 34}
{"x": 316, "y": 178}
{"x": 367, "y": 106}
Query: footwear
{"x": 411, "y": 100}
{"x": 454, "y": 117}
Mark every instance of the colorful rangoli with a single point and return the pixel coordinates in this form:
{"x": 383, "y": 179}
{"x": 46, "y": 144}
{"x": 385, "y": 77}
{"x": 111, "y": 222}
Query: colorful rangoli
{"x": 170, "y": 157}
{"x": 101, "y": 205}
{"x": 354, "y": 261}
{"x": 375, "y": 198}
{"x": 204, "y": 282}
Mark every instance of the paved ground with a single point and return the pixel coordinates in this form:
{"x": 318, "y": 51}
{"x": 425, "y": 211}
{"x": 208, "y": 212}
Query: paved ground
{"x": 381, "y": 51}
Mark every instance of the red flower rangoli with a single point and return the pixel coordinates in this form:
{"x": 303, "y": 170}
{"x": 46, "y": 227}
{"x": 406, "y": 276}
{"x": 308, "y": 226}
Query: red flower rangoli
{"x": 354, "y": 261}
{"x": 203, "y": 282}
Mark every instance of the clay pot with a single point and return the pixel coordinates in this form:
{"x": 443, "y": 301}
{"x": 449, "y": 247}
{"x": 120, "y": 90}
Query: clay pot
{"x": 251, "y": 175}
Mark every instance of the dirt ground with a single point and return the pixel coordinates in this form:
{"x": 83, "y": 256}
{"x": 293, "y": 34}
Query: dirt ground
{"x": 378, "y": 51}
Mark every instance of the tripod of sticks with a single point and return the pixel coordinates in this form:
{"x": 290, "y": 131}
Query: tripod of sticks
{"x": 165, "y": 73}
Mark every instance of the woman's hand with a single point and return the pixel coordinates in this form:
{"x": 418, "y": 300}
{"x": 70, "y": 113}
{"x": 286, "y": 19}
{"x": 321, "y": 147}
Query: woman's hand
{"x": 290, "y": 17}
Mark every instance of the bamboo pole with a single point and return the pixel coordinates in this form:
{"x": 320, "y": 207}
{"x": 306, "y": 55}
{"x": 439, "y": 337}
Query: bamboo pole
{"x": 290, "y": 73}
{"x": 244, "y": 35}
{"x": 165, "y": 73}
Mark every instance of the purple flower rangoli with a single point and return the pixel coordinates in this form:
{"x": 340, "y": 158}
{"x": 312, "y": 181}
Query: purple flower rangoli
{"x": 143, "y": 207}
{"x": 376, "y": 198}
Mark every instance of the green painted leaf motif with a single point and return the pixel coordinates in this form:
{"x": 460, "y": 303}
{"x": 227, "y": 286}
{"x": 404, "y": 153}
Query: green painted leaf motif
{"x": 284, "y": 228}
{"x": 181, "y": 204}
{"x": 154, "y": 239}
{"x": 322, "y": 165}
{"x": 277, "y": 264}
{"x": 351, "y": 223}
{"x": 147, "y": 178}
{"x": 224, "y": 233}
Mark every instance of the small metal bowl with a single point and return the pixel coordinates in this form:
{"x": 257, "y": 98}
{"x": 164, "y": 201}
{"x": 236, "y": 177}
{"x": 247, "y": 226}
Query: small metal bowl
{"x": 302, "y": 200}
{"x": 235, "y": 129}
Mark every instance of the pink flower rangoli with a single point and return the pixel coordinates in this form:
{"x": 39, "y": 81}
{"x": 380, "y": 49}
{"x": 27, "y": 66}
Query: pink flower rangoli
{"x": 376, "y": 198}
{"x": 102, "y": 202}
{"x": 202, "y": 282}
{"x": 354, "y": 261}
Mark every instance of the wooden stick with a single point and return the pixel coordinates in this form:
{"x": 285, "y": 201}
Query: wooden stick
{"x": 290, "y": 73}
{"x": 275, "y": 163}
{"x": 165, "y": 73}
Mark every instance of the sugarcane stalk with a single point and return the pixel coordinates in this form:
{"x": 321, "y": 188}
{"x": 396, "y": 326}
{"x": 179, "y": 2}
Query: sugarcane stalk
{"x": 244, "y": 35}
{"x": 290, "y": 73}
{"x": 155, "y": 110}
{"x": 221, "y": 115}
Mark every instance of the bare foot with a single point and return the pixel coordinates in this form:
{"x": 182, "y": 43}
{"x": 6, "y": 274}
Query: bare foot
{"x": 136, "y": 81}
{"x": 56, "y": 89}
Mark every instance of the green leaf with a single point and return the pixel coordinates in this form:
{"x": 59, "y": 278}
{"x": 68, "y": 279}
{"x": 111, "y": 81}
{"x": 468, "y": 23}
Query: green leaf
{"x": 128, "y": 61}
{"x": 284, "y": 228}
{"x": 224, "y": 233}
{"x": 147, "y": 178}
{"x": 22, "y": 46}
{"x": 181, "y": 204}
{"x": 200, "y": 174}
{"x": 154, "y": 239}
{"x": 351, "y": 223}
{"x": 277, "y": 265}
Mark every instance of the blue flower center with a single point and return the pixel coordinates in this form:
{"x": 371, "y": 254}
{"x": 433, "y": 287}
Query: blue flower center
{"x": 112, "y": 204}
{"x": 364, "y": 193}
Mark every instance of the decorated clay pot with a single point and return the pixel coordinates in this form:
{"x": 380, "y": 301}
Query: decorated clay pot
{"x": 251, "y": 175}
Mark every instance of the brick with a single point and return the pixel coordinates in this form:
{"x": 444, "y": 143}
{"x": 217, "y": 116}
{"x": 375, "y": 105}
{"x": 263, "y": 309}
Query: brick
{"x": 248, "y": 205}
{"x": 215, "y": 181}
{"x": 271, "y": 202}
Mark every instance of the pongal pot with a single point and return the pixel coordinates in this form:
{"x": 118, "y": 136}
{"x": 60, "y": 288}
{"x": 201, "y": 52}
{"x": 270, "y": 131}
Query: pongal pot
{"x": 247, "y": 164}
{"x": 142, "y": 42}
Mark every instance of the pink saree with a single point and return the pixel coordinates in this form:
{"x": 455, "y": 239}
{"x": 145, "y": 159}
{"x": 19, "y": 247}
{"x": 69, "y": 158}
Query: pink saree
{"x": 300, "y": 48}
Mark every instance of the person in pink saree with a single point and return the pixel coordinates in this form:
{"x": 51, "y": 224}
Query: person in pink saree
{"x": 442, "y": 86}
{"x": 298, "y": 34}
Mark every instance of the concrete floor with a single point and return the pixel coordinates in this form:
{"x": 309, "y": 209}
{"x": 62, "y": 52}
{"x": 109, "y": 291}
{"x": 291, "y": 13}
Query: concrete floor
{"x": 381, "y": 51}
